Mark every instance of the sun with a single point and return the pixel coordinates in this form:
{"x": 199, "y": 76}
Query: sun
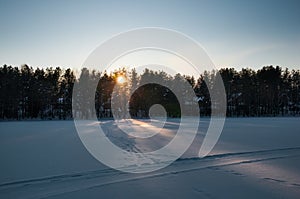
{"x": 121, "y": 79}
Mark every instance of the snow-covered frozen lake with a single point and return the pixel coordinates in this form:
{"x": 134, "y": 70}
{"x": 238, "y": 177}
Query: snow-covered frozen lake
{"x": 254, "y": 158}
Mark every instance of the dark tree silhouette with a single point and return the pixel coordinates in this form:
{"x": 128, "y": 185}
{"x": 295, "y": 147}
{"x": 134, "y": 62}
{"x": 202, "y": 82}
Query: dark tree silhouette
{"x": 27, "y": 93}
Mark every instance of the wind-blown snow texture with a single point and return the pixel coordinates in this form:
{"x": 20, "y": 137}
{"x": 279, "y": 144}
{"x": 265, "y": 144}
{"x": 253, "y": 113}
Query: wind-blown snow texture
{"x": 254, "y": 158}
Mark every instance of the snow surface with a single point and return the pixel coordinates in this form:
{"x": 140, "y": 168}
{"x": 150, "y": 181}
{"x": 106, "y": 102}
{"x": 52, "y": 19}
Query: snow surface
{"x": 254, "y": 158}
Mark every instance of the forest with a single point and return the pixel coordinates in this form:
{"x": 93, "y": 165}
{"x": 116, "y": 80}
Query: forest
{"x": 46, "y": 93}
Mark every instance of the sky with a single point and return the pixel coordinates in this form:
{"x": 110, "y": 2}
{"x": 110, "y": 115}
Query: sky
{"x": 234, "y": 33}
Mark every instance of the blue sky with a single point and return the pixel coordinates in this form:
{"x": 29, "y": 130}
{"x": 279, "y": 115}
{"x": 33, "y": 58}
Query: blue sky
{"x": 234, "y": 33}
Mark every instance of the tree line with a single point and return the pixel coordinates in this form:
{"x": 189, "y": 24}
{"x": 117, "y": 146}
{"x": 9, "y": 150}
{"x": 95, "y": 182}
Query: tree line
{"x": 46, "y": 93}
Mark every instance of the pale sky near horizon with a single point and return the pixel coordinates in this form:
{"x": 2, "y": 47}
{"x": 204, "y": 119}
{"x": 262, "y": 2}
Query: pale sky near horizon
{"x": 234, "y": 33}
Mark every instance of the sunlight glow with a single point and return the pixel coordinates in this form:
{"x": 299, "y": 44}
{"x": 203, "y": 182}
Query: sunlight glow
{"x": 121, "y": 79}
